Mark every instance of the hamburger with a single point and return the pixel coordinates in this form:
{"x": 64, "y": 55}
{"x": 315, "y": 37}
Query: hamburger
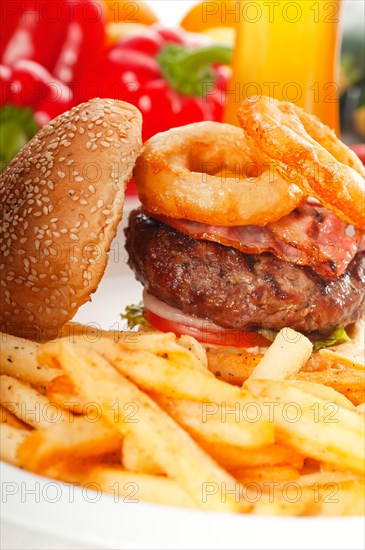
{"x": 61, "y": 200}
{"x": 239, "y": 285}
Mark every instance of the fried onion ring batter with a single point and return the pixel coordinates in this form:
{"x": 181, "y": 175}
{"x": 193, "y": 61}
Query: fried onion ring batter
{"x": 292, "y": 139}
{"x": 175, "y": 177}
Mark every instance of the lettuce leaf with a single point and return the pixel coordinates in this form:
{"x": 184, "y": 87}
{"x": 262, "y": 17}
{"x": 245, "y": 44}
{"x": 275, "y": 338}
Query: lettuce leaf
{"x": 134, "y": 316}
{"x": 339, "y": 336}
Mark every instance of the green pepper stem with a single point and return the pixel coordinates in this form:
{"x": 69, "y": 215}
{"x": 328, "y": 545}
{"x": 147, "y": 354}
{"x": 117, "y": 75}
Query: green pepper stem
{"x": 188, "y": 69}
{"x": 197, "y": 59}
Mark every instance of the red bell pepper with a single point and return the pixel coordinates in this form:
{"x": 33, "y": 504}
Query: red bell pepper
{"x": 6, "y": 75}
{"x": 175, "y": 36}
{"x": 33, "y": 29}
{"x": 41, "y": 40}
{"x": 30, "y": 97}
{"x": 60, "y": 35}
{"x": 85, "y": 38}
{"x": 28, "y": 84}
{"x": 170, "y": 80}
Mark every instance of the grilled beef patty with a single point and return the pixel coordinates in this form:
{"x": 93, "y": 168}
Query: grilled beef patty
{"x": 240, "y": 291}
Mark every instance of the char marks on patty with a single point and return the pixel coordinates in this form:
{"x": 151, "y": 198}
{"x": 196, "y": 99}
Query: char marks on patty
{"x": 237, "y": 290}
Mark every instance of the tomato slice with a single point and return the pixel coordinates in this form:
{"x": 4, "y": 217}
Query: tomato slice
{"x": 223, "y": 337}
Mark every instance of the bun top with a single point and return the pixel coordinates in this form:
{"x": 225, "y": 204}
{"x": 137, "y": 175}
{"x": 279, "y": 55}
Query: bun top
{"x": 61, "y": 199}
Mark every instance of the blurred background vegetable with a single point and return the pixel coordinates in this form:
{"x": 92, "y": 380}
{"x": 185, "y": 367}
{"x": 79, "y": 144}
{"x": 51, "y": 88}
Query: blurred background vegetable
{"x": 124, "y": 18}
{"x": 33, "y": 30}
{"x": 17, "y": 127}
{"x": 30, "y": 98}
{"x": 84, "y": 39}
{"x": 57, "y": 53}
{"x": 170, "y": 79}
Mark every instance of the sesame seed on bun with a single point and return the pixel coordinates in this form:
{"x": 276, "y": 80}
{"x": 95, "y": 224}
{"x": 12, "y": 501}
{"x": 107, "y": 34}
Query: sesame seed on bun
{"x": 61, "y": 199}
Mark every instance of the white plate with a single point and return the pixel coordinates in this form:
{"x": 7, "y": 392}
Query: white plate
{"x": 40, "y": 513}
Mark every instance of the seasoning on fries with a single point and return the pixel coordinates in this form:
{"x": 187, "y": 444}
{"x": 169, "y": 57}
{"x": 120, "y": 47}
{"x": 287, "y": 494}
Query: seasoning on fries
{"x": 161, "y": 422}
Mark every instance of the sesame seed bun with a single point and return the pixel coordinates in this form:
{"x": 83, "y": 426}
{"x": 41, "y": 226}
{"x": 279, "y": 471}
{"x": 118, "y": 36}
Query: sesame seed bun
{"x": 61, "y": 199}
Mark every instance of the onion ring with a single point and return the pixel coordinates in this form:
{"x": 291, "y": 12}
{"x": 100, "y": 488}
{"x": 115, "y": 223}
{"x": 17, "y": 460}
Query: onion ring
{"x": 175, "y": 178}
{"x": 326, "y": 137}
{"x": 290, "y": 137}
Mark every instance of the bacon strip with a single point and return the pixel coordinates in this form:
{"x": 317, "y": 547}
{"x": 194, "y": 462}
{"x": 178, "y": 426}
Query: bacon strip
{"x": 310, "y": 236}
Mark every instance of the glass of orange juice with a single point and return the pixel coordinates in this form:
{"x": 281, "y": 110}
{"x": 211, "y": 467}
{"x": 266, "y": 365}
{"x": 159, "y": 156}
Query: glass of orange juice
{"x": 287, "y": 50}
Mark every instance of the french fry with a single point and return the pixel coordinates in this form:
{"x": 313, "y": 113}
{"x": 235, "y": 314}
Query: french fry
{"x": 232, "y": 365}
{"x": 170, "y": 446}
{"x": 343, "y": 381}
{"x": 123, "y": 485}
{"x": 197, "y": 349}
{"x": 235, "y": 366}
{"x": 28, "y": 404}
{"x": 185, "y": 351}
{"x": 155, "y": 373}
{"x": 287, "y": 355}
{"x": 61, "y": 391}
{"x": 338, "y": 416}
{"x": 10, "y": 440}
{"x": 18, "y": 358}
{"x": 7, "y": 417}
{"x": 4, "y": 415}
{"x": 135, "y": 458}
{"x": 167, "y": 346}
{"x": 74, "y": 439}
{"x": 320, "y": 430}
{"x": 159, "y": 375}
{"x": 347, "y": 381}
{"x": 269, "y": 474}
{"x": 188, "y": 431}
{"x": 323, "y": 478}
{"x": 217, "y": 423}
{"x": 234, "y": 458}
{"x": 356, "y": 397}
{"x": 325, "y": 392}
{"x": 344, "y": 356}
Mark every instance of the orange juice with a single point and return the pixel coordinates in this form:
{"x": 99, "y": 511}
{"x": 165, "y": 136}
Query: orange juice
{"x": 287, "y": 50}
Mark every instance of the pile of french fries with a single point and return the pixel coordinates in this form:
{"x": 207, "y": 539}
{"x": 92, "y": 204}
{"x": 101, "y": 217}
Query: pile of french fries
{"x": 141, "y": 415}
